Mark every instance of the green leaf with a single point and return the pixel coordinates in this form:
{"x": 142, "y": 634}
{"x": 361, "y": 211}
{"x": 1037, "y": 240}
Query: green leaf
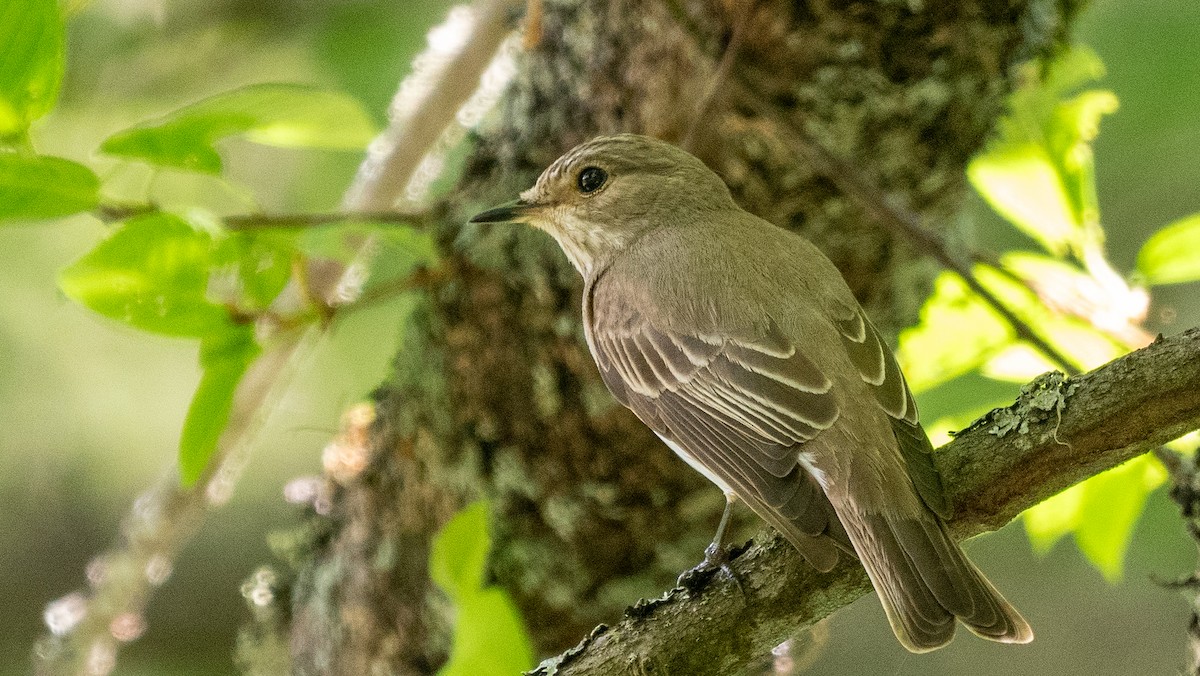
{"x": 1111, "y": 508}
{"x": 1101, "y": 513}
{"x": 260, "y": 264}
{"x": 1038, "y": 172}
{"x": 31, "y": 62}
{"x": 459, "y": 554}
{"x": 224, "y": 358}
{"x": 959, "y": 333}
{"x": 273, "y": 114}
{"x": 1050, "y": 520}
{"x": 956, "y": 334}
{"x": 489, "y": 638}
{"x": 1020, "y": 182}
{"x": 1172, "y": 255}
{"x": 1073, "y": 336}
{"x": 152, "y": 273}
{"x": 35, "y": 186}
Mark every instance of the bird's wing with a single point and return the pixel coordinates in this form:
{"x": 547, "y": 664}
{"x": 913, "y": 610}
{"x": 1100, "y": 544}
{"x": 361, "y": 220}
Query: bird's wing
{"x": 740, "y": 408}
{"x": 877, "y": 366}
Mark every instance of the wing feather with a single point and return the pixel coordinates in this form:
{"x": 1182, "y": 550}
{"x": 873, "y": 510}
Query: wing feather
{"x": 877, "y": 366}
{"x": 741, "y": 408}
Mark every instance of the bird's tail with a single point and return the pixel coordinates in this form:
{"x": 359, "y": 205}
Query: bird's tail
{"x": 925, "y": 581}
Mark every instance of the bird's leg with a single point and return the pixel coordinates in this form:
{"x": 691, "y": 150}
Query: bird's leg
{"x": 716, "y": 555}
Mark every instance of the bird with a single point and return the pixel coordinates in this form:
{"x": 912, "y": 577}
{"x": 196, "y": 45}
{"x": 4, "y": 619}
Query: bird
{"x": 742, "y": 347}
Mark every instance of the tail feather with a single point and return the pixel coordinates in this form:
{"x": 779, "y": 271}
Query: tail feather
{"x": 925, "y": 582}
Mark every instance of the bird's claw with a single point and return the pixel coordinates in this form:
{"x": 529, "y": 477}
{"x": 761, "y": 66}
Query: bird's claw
{"x": 716, "y": 559}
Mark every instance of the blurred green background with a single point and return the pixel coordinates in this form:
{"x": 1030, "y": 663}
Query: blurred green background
{"x": 92, "y": 411}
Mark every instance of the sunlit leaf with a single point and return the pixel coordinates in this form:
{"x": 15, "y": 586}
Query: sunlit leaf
{"x": 1049, "y": 521}
{"x": 1020, "y": 182}
{"x": 1097, "y": 296}
{"x": 257, "y": 265}
{"x": 489, "y": 637}
{"x": 1101, "y": 513}
{"x": 272, "y": 114}
{"x": 1071, "y": 130}
{"x": 957, "y": 332}
{"x": 1017, "y": 363}
{"x": 1070, "y": 335}
{"x": 151, "y": 273}
{"x": 1111, "y": 507}
{"x": 1188, "y": 444}
{"x": 35, "y": 186}
{"x": 224, "y": 358}
{"x": 31, "y": 62}
{"x": 1172, "y": 255}
{"x": 1038, "y": 172}
{"x": 459, "y": 554}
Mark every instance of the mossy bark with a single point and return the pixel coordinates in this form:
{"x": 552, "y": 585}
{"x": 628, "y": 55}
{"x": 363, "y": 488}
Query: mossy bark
{"x": 494, "y": 394}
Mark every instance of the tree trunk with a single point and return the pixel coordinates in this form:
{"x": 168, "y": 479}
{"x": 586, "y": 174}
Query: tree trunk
{"x": 494, "y": 394}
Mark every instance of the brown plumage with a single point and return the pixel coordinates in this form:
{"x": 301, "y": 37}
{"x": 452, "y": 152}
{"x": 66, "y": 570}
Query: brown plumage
{"x": 741, "y": 346}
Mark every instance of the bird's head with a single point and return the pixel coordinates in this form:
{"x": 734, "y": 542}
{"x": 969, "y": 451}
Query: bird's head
{"x": 604, "y": 194}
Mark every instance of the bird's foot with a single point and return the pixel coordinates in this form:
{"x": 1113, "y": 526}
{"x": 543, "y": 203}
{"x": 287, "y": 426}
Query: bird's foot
{"x": 716, "y": 559}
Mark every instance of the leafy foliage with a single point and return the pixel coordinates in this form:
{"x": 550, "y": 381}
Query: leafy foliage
{"x": 489, "y": 637}
{"x": 34, "y": 186}
{"x": 271, "y": 114}
{"x": 157, "y": 272}
{"x": 1100, "y": 512}
{"x": 1039, "y": 174}
{"x": 31, "y": 63}
{"x": 224, "y": 357}
{"x": 152, "y": 273}
{"x": 459, "y": 554}
{"x": 1172, "y": 255}
{"x": 929, "y": 357}
{"x": 259, "y": 265}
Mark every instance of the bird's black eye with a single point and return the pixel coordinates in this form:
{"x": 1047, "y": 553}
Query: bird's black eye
{"x": 591, "y": 178}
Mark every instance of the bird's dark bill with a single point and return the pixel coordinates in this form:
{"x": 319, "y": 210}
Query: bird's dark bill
{"x": 517, "y": 210}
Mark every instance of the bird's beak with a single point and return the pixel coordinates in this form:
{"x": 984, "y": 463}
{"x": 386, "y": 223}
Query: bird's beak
{"x": 517, "y": 211}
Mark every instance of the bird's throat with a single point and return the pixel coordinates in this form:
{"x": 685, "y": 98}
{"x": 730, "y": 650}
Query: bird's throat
{"x": 586, "y": 245}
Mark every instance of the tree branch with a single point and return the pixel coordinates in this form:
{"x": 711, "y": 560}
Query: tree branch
{"x": 416, "y": 126}
{"x": 1059, "y": 432}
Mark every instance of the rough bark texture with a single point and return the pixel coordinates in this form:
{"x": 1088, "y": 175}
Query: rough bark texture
{"x": 494, "y": 393}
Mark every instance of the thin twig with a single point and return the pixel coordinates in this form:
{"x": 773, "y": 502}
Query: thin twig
{"x": 111, "y": 212}
{"x": 302, "y": 221}
{"x": 899, "y": 220}
{"x": 728, "y": 59}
